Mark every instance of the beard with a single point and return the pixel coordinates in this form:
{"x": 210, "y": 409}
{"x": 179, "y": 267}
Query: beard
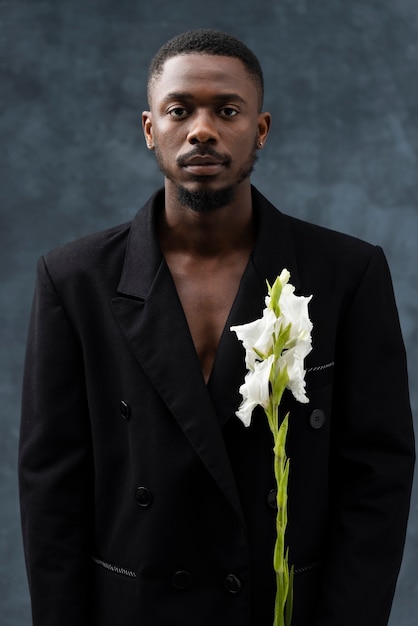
{"x": 205, "y": 200}
{"x": 208, "y": 200}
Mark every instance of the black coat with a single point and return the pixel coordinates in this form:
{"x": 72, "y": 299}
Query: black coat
{"x": 146, "y": 502}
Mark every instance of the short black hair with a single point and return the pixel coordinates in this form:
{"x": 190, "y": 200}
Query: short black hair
{"x": 207, "y": 41}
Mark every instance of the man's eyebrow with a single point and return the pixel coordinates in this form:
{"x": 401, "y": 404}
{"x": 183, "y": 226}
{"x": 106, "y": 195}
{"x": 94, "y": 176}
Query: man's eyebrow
{"x": 222, "y": 97}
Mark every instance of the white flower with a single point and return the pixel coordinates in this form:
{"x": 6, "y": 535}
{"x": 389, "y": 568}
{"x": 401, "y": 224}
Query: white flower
{"x": 255, "y": 389}
{"x": 284, "y": 330}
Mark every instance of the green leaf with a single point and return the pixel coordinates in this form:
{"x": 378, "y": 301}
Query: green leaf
{"x": 289, "y": 600}
{"x": 278, "y": 380}
{"x": 281, "y": 340}
{"x": 275, "y": 292}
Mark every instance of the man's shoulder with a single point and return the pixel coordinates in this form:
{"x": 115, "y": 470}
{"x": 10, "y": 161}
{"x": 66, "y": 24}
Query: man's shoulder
{"x": 88, "y": 252}
{"x": 311, "y": 236}
{"x": 320, "y": 255}
{"x": 314, "y": 235}
{"x": 330, "y": 254}
{"x": 105, "y": 248}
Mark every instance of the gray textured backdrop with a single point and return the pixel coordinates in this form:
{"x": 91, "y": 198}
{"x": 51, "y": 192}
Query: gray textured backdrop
{"x": 342, "y": 85}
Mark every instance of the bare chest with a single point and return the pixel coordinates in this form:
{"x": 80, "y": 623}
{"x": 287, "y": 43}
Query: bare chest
{"x": 207, "y": 295}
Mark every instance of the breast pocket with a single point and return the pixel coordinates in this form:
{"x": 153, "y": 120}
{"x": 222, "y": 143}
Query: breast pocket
{"x": 319, "y": 376}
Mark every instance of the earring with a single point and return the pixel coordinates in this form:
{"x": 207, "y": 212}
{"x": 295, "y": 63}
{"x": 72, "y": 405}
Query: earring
{"x": 260, "y": 144}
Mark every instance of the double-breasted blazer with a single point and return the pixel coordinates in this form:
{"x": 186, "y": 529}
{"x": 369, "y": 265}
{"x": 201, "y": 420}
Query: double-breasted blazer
{"x": 146, "y": 502}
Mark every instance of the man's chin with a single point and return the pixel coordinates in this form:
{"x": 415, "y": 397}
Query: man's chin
{"x": 203, "y": 200}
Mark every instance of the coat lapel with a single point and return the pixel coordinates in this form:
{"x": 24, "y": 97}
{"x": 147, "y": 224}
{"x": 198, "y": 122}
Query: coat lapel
{"x": 151, "y": 317}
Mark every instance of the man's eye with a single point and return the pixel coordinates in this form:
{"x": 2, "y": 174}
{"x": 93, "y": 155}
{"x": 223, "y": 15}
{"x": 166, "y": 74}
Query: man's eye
{"x": 229, "y": 112}
{"x": 177, "y": 112}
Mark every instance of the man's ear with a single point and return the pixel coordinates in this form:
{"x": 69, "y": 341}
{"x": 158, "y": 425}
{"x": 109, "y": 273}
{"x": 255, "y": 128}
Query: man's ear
{"x": 264, "y": 121}
{"x": 147, "y": 128}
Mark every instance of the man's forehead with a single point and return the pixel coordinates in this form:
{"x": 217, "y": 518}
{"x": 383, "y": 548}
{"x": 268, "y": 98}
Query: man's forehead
{"x": 194, "y": 69}
{"x": 202, "y": 58}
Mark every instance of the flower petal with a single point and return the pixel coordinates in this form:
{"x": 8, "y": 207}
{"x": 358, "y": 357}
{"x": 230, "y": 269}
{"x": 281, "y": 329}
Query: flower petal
{"x": 255, "y": 390}
{"x": 256, "y": 335}
{"x": 293, "y": 360}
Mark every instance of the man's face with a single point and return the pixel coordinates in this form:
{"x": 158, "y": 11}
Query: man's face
{"x": 204, "y": 123}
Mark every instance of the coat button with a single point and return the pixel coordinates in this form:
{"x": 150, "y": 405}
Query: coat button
{"x": 317, "y": 418}
{"x": 143, "y": 496}
{"x": 125, "y": 409}
{"x": 272, "y": 498}
{"x": 232, "y": 583}
{"x": 182, "y": 580}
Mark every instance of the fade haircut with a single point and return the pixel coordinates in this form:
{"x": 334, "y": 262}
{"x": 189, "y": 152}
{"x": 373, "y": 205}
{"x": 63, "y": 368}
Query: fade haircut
{"x": 207, "y": 41}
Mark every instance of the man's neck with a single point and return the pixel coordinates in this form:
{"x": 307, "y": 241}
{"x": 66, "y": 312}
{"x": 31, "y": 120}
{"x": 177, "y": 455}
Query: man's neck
{"x": 218, "y": 233}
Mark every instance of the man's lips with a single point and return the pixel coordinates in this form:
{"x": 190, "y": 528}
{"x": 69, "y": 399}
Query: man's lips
{"x": 203, "y": 160}
{"x": 203, "y": 164}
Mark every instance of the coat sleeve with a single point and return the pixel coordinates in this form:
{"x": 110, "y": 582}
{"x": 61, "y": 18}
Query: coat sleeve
{"x": 373, "y": 457}
{"x": 55, "y": 468}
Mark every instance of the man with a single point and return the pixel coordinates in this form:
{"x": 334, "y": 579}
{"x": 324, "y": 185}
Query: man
{"x": 144, "y": 499}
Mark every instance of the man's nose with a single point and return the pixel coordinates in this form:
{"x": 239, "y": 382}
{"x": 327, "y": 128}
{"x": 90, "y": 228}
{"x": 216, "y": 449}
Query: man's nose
{"x": 203, "y": 128}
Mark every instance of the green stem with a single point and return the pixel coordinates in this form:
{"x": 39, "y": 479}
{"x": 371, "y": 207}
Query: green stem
{"x": 284, "y": 578}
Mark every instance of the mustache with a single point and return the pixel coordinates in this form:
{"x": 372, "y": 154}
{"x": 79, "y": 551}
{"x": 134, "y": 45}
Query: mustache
{"x": 202, "y": 151}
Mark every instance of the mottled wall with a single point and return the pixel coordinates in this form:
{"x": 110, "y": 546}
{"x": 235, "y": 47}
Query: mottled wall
{"x": 342, "y": 85}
